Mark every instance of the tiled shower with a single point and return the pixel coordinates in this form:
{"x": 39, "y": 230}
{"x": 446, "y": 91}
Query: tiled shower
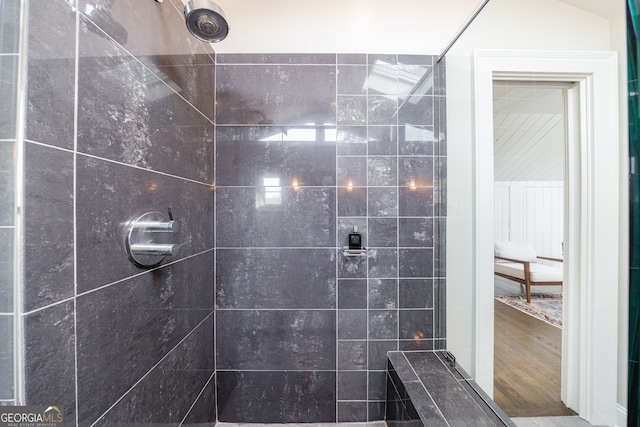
{"x": 268, "y": 162}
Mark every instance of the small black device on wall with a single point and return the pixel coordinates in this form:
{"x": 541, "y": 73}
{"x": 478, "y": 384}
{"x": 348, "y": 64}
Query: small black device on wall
{"x": 355, "y": 239}
{"x": 355, "y": 247}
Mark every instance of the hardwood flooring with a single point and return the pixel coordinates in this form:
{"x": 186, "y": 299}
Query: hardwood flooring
{"x": 527, "y": 355}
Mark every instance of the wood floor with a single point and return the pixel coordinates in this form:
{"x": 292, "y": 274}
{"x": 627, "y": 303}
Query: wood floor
{"x": 527, "y": 355}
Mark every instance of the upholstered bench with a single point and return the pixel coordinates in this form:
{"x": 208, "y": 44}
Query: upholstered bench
{"x": 517, "y": 260}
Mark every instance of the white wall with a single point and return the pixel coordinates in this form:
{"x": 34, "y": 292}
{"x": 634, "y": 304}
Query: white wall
{"x": 339, "y": 26}
{"x": 532, "y": 211}
{"x": 515, "y": 25}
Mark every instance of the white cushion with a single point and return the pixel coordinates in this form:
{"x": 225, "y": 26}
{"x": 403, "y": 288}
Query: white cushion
{"x": 539, "y": 272}
{"x": 521, "y": 250}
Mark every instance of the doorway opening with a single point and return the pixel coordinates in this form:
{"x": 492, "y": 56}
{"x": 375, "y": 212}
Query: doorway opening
{"x": 530, "y": 141}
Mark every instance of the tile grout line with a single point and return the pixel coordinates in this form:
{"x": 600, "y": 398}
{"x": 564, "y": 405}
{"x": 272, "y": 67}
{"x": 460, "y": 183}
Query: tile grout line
{"x": 76, "y": 86}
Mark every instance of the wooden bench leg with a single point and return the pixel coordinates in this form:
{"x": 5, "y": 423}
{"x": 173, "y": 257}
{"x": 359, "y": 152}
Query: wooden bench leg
{"x": 527, "y": 280}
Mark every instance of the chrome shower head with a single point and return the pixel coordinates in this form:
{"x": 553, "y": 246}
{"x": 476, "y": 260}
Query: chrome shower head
{"x": 206, "y": 21}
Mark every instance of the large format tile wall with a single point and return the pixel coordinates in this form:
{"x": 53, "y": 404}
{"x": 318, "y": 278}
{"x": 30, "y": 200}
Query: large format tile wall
{"x": 309, "y": 147}
{"x": 119, "y": 121}
{"x": 9, "y": 56}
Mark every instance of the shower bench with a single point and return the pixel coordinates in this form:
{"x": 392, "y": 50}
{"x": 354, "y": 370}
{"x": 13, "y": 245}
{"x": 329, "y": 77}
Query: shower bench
{"x": 423, "y": 389}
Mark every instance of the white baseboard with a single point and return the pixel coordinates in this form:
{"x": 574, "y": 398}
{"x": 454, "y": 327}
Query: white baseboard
{"x": 621, "y": 415}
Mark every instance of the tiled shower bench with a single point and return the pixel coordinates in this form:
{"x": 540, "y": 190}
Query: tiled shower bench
{"x": 423, "y": 389}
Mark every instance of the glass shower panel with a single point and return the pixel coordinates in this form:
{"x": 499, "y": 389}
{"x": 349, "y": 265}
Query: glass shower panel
{"x": 9, "y": 58}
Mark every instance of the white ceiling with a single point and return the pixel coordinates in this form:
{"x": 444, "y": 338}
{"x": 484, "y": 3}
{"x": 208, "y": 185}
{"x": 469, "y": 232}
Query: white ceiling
{"x": 529, "y": 132}
{"x": 610, "y": 9}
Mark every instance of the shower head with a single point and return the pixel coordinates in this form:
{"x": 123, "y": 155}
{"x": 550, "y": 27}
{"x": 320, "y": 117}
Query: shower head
{"x": 205, "y": 20}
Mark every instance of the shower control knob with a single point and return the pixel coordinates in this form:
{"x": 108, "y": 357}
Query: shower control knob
{"x": 149, "y": 239}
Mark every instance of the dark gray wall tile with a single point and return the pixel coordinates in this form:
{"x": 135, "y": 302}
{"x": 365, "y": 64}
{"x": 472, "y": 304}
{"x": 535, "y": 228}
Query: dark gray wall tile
{"x": 377, "y": 410}
{"x": 276, "y": 397}
{"x": 51, "y": 74}
{"x": 6, "y": 357}
{"x": 49, "y": 370}
{"x": 384, "y": 58}
{"x": 416, "y": 140}
{"x": 416, "y": 293}
{"x": 7, "y": 181}
{"x": 125, "y": 329}
{"x": 194, "y": 82}
{"x": 417, "y": 345}
{"x": 6, "y": 270}
{"x": 352, "y": 79}
{"x": 8, "y": 94}
{"x": 383, "y": 232}
{"x": 352, "y": 266}
{"x": 352, "y": 201}
{"x": 302, "y": 218}
{"x": 180, "y": 377}
{"x": 123, "y": 24}
{"x": 351, "y": 140}
{"x": 279, "y": 94}
{"x": 352, "y": 58}
{"x": 110, "y": 194}
{"x": 352, "y": 355}
{"x": 383, "y": 140}
{"x": 383, "y": 201}
{"x": 378, "y": 353}
{"x": 377, "y": 385}
{"x": 352, "y": 171}
{"x": 277, "y": 58}
{"x": 416, "y": 262}
{"x": 383, "y": 293}
{"x": 48, "y": 217}
{"x": 128, "y": 114}
{"x": 382, "y": 110}
{"x": 350, "y": 412}
{"x": 416, "y": 324}
{"x": 416, "y": 169}
{"x": 352, "y": 385}
{"x": 383, "y": 324}
{"x": 423, "y": 85}
{"x": 416, "y": 59}
{"x": 204, "y": 410}
{"x": 351, "y": 110}
{"x": 416, "y": 232}
{"x": 383, "y": 263}
{"x": 276, "y": 339}
{"x": 415, "y": 202}
{"x": 352, "y": 293}
{"x": 382, "y": 171}
{"x": 352, "y": 324}
{"x": 248, "y": 155}
{"x": 419, "y": 111}
{"x": 267, "y": 278}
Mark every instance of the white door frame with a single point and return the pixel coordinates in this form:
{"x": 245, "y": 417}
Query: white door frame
{"x": 590, "y": 339}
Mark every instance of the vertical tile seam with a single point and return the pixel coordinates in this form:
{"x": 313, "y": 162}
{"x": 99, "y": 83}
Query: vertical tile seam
{"x": 215, "y": 231}
{"x": 75, "y": 209}
{"x": 337, "y": 241}
{"x": 398, "y": 185}
{"x": 368, "y": 341}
